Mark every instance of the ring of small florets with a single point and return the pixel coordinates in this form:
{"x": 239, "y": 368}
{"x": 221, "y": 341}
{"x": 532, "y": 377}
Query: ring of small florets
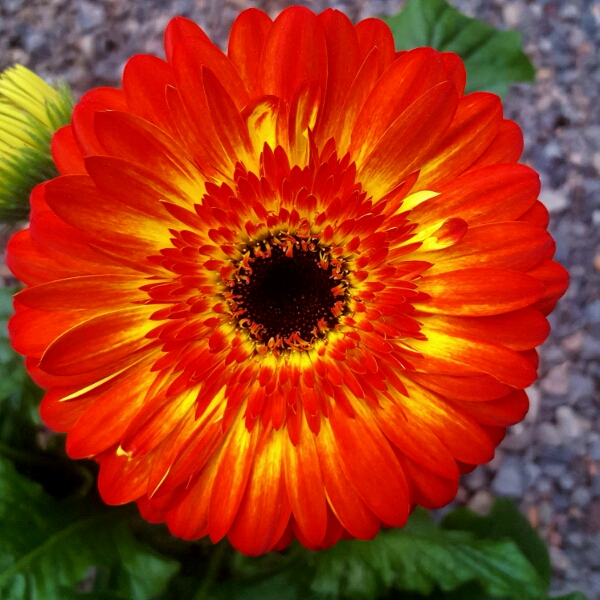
{"x": 288, "y": 291}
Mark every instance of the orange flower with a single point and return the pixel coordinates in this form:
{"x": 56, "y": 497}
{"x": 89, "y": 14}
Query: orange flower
{"x": 291, "y": 291}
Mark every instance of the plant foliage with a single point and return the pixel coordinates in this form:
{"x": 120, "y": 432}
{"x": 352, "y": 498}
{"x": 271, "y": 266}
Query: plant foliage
{"x": 493, "y": 59}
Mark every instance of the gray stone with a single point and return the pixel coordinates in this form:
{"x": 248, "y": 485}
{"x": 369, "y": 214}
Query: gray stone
{"x": 481, "y": 502}
{"x": 592, "y": 136}
{"x": 544, "y": 486}
{"x": 581, "y": 497}
{"x": 559, "y": 560}
{"x": 554, "y": 469}
{"x": 555, "y": 354}
{"x": 592, "y": 312}
{"x": 567, "y": 423}
{"x": 556, "y": 382}
{"x": 592, "y": 558}
{"x": 90, "y": 15}
{"x": 576, "y": 539}
{"x": 595, "y": 450}
{"x": 531, "y": 473}
{"x": 509, "y": 479}
{"x": 566, "y": 482}
{"x": 560, "y": 502}
{"x": 518, "y": 437}
{"x": 580, "y": 387}
{"x": 546, "y": 513}
{"x": 554, "y": 200}
{"x": 535, "y": 398}
{"x": 476, "y": 480}
{"x": 12, "y": 6}
{"x": 547, "y": 434}
{"x": 594, "y": 582}
{"x": 590, "y": 347}
{"x": 33, "y": 41}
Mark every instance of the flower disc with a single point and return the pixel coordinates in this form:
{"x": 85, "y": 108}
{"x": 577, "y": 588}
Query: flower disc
{"x": 291, "y": 291}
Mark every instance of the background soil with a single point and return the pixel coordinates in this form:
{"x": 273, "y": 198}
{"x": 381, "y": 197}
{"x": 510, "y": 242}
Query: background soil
{"x": 551, "y": 461}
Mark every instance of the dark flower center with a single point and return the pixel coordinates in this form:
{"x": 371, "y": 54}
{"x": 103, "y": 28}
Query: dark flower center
{"x": 288, "y": 293}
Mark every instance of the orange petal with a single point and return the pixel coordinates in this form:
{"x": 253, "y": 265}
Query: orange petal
{"x": 145, "y": 81}
{"x": 234, "y": 468}
{"x": 177, "y": 30}
{"x": 414, "y": 439}
{"x": 556, "y": 281}
{"x": 502, "y": 363}
{"x": 537, "y": 215}
{"x": 82, "y": 119}
{"x": 519, "y": 330}
{"x": 61, "y": 416}
{"x": 411, "y": 76}
{"x": 459, "y": 432}
{"x": 506, "y": 147}
{"x": 343, "y": 61}
{"x": 374, "y": 33}
{"x": 76, "y": 200}
{"x": 99, "y": 342}
{"x": 410, "y": 137}
{"x": 85, "y": 292}
{"x": 485, "y": 195}
{"x": 514, "y": 245}
{"x": 294, "y": 51}
{"x": 246, "y": 41}
{"x": 65, "y": 152}
{"x": 265, "y": 509}
{"x": 229, "y": 125}
{"x": 61, "y": 240}
{"x": 303, "y": 115}
{"x": 428, "y": 489}
{"x": 32, "y": 331}
{"x": 139, "y": 188}
{"x": 455, "y": 69}
{"x": 122, "y": 479}
{"x": 103, "y": 423}
{"x": 475, "y": 124}
{"x": 361, "y": 446}
{"x": 189, "y": 518}
{"x": 479, "y": 292}
{"x": 191, "y": 53}
{"x": 32, "y": 264}
{"x": 342, "y": 496}
{"x": 358, "y": 92}
{"x": 502, "y": 412}
{"x": 127, "y": 136}
{"x": 305, "y": 487}
{"x": 479, "y": 387}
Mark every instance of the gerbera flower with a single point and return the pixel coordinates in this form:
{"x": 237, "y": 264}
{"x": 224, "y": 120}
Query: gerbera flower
{"x": 30, "y": 112}
{"x": 291, "y": 291}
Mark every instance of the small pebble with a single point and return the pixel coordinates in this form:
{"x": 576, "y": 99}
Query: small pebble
{"x": 556, "y": 382}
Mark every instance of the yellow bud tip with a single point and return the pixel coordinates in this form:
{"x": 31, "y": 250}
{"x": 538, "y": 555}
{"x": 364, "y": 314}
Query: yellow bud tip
{"x": 25, "y": 90}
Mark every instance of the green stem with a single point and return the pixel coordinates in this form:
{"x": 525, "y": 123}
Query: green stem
{"x": 214, "y": 566}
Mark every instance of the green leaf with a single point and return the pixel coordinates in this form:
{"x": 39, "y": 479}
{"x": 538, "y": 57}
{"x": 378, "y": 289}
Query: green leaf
{"x": 48, "y": 546}
{"x": 421, "y": 557}
{"x": 504, "y": 521}
{"x": 493, "y": 59}
{"x": 19, "y": 396}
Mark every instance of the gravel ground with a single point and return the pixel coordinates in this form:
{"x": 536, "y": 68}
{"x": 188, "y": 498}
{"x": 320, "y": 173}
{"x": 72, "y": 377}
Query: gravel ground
{"x": 551, "y": 461}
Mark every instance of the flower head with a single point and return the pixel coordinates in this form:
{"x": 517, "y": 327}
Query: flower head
{"x": 291, "y": 291}
{"x": 30, "y": 112}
